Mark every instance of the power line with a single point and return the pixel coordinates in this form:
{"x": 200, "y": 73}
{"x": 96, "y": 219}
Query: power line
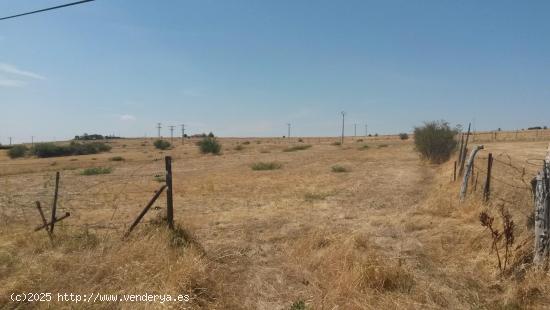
{"x": 47, "y": 9}
{"x": 171, "y": 133}
{"x": 288, "y": 124}
{"x": 182, "y": 133}
{"x": 343, "y": 116}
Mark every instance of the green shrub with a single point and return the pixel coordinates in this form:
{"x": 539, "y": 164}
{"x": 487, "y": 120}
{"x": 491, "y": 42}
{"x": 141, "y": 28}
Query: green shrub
{"x": 435, "y": 141}
{"x": 382, "y": 145}
{"x": 266, "y": 166}
{"x": 52, "y": 150}
{"x": 96, "y": 171}
{"x": 238, "y": 148}
{"x": 17, "y": 151}
{"x": 336, "y": 143}
{"x": 359, "y": 140}
{"x": 338, "y": 168}
{"x": 364, "y": 147}
{"x": 246, "y": 142}
{"x": 116, "y": 158}
{"x": 300, "y": 140}
{"x": 209, "y": 145}
{"x": 162, "y": 144}
{"x": 403, "y": 136}
{"x": 297, "y": 148}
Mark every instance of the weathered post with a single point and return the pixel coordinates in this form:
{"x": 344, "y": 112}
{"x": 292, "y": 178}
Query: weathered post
{"x": 542, "y": 213}
{"x": 468, "y": 171}
{"x": 54, "y": 205}
{"x": 464, "y": 152}
{"x": 44, "y": 222}
{"x": 169, "y": 198}
{"x": 487, "y": 187}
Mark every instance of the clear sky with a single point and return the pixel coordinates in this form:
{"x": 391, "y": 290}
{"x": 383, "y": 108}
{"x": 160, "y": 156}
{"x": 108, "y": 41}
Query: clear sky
{"x": 246, "y": 68}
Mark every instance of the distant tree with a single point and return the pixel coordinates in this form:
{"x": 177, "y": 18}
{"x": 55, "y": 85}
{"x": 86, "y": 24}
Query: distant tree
{"x": 403, "y": 136}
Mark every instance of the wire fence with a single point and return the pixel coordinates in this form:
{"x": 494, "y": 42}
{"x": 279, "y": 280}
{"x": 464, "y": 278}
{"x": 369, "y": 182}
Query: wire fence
{"x": 102, "y": 201}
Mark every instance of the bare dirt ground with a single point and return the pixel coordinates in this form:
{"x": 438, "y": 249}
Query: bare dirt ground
{"x": 387, "y": 233}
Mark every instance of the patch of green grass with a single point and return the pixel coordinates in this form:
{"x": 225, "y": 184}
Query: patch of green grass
{"x": 364, "y": 147}
{"x": 116, "y": 158}
{"x": 297, "y": 148}
{"x": 382, "y": 145}
{"x": 96, "y": 171}
{"x": 338, "y": 169}
{"x": 266, "y": 166}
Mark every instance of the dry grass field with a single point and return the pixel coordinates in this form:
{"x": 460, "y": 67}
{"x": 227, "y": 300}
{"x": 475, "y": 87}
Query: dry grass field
{"x": 383, "y": 230}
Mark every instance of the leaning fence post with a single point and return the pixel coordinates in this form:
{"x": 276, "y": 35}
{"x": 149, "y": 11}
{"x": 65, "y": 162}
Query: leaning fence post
{"x": 468, "y": 171}
{"x": 142, "y": 213}
{"x": 169, "y": 198}
{"x": 464, "y": 152}
{"x": 542, "y": 212}
{"x": 44, "y": 222}
{"x": 487, "y": 187}
{"x": 54, "y": 205}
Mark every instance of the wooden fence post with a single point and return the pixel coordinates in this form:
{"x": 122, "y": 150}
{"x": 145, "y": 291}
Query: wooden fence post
{"x": 54, "y": 205}
{"x": 464, "y": 152}
{"x": 542, "y": 213}
{"x": 169, "y": 198}
{"x": 44, "y": 222}
{"x": 468, "y": 171}
{"x": 487, "y": 187}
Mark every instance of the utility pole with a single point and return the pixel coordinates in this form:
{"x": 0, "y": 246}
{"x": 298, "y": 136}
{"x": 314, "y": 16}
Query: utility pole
{"x": 171, "y": 133}
{"x": 10, "y": 140}
{"x": 32, "y": 140}
{"x": 288, "y": 124}
{"x": 182, "y": 133}
{"x": 158, "y": 127}
{"x": 343, "y": 117}
{"x": 366, "y": 130}
{"x": 355, "y": 130}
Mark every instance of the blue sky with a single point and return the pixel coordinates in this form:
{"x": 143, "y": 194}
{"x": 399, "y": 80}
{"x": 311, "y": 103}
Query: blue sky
{"x": 246, "y": 68}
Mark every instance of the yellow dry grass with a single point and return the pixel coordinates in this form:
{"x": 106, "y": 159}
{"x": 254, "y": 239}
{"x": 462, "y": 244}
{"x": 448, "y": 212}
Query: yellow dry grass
{"x": 388, "y": 234}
